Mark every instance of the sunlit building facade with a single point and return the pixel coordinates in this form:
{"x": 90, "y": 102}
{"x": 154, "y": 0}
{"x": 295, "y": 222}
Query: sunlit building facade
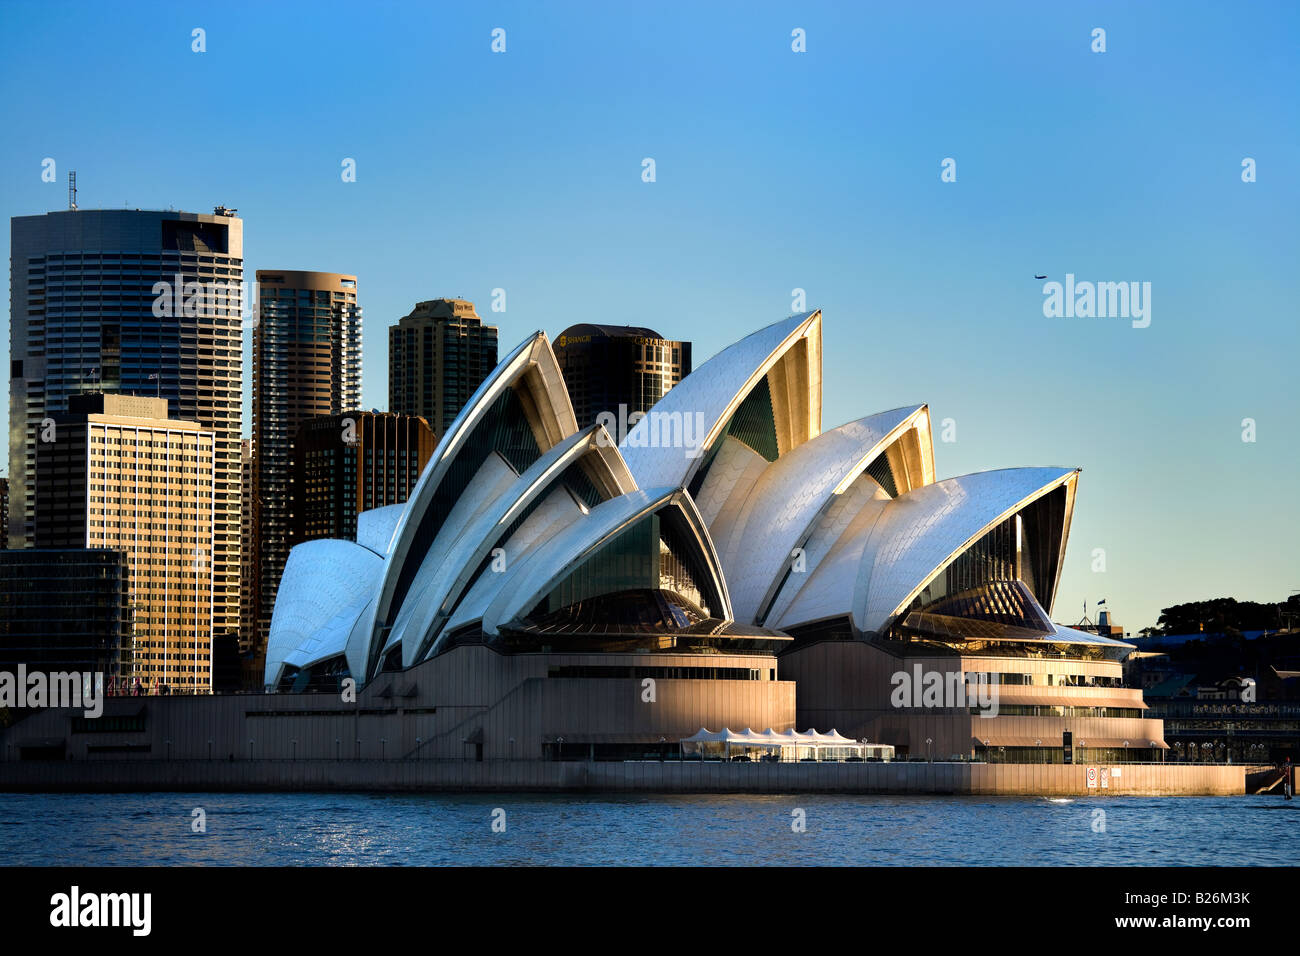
{"x": 121, "y": 476}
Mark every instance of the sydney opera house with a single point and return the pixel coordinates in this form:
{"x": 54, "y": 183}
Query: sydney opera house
{"x": 549, "y": 592}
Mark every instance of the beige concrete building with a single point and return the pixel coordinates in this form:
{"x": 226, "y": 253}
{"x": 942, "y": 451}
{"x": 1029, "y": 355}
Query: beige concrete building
{"x": 118, "y": 474}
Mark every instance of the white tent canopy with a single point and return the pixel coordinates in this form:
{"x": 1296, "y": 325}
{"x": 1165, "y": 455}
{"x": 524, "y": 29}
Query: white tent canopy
{"x": 811, "y": 742}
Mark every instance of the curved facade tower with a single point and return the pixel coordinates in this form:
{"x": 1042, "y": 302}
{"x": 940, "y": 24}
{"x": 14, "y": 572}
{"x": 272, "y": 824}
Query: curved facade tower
{"x": 728, "y": 534}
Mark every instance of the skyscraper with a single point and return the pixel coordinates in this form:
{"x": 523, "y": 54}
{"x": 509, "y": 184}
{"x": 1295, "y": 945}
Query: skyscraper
{"x": 349, "y": 463}
{"x": 248, "y": 576}
{"x": 437, "y": 356}
{"x": 608, "y": 366}
{"x": 118, "y": 475}
{"x": 134, "y": 302}
{"x": 306, "y": 362}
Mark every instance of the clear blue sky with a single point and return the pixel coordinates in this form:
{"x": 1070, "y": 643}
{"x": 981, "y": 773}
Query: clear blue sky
{"x": 775, "y": 170}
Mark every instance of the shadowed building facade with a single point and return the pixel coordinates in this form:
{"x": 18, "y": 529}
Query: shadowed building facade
{"x": 66, "y": 609}
{"x": 608, "y": 367}
{"x": 437, "y": 356}
{"x": 306, "y": 362}
{"x": 354, "y": 462}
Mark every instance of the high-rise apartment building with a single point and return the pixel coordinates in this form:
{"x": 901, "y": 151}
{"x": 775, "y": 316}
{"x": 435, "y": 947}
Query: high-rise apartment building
{"x": 437, "y": 356}
{"x": 248, "y": 603}
{"x": 4, "y": 513}
{"x": 349, "y": 463}
{"x": 117, "y": 474}
{"x": 134, "y": 302}
{"x": 306, "y": 362}
{"x": 612, "y": 367}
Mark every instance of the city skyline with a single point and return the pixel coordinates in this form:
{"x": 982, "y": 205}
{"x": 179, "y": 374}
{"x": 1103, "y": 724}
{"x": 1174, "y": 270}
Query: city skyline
{"x": 937, "y": 275}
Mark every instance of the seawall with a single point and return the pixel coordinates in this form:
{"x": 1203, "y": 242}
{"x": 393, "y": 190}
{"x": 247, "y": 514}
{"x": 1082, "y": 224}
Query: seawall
{"x": 650, "y": 777}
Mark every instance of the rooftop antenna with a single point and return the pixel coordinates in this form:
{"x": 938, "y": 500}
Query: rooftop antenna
{"x": 72, "y": 189}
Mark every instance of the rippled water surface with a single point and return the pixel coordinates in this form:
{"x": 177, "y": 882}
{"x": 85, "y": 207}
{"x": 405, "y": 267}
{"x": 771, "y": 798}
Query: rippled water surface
{"x": 309, "y": 829}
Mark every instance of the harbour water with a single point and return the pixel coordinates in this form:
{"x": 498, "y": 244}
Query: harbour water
{"x": 332, "y": 829}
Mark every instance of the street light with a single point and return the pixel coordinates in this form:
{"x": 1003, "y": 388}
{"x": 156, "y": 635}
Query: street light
{"x": 928, "y": 755}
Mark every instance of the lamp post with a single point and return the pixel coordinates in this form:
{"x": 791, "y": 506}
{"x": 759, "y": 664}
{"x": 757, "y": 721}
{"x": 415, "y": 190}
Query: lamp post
{"x": 209, "y": 749}
{"x": 250, "y": 750}
{"x": 1038, "y": 744}
{"x": 560, "y": 750}
{"x": 338, "y": 748}
{"x": 168, "y": 742}
{"x": 294, "y": 743}
{"x": 383, "y": 743}
{"x": 929, "y": 756}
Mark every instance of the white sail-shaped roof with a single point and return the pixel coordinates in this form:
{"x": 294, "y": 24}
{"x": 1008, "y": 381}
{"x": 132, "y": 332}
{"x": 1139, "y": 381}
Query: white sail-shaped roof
{"x": 432, "y": 601}
{"x": 557, "y": 511}
{"x": 375, "y": 528}
{"x": 788, "y": 351}
{"x": 757, "y": 541}
{"x": 921, "y": 532}
{"x": 825, "y": 588}
{"x": 325, "y": 585}
{"x": 532, "y": 371}
{"x": 528, "y": 581}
